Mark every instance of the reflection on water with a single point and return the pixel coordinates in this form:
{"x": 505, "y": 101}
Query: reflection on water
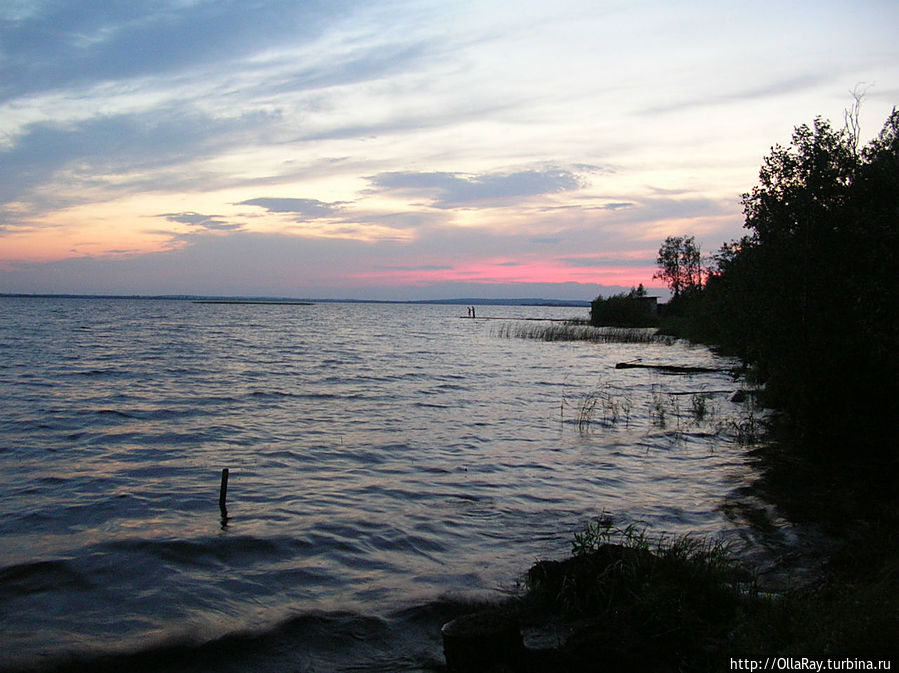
{"x": 386, "y": 462}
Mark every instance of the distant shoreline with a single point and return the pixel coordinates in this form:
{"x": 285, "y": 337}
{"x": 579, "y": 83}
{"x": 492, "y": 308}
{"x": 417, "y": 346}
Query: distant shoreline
{"x": 262, "y": 302}
{"x": 205, "y": 299}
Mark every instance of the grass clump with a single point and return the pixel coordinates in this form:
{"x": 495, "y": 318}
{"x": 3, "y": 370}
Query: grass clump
{"x": 687, "y": 604}
{"x": 636, "y": 594}
{"x": 577, "y": 331}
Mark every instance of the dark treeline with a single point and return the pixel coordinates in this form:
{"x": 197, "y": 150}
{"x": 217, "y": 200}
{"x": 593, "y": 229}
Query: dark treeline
{"x": 808, "y": 299}
{"x": 809, "y": 296}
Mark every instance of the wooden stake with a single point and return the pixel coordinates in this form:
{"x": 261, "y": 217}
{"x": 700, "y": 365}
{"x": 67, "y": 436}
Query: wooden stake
{"x": 223, "y": 492}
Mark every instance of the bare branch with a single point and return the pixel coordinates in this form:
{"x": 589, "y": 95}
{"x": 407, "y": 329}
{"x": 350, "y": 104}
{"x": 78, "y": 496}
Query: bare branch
{"x": 850, "y": 115}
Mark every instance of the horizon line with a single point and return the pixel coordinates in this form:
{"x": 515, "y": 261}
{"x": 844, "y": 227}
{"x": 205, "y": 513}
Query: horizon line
{"x": 523, "y": 301}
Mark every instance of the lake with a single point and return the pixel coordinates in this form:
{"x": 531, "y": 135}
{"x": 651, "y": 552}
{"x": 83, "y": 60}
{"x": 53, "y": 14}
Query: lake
{"x": 389, "y": 464}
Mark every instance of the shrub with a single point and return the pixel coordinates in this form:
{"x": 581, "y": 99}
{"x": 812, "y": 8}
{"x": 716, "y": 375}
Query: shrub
{"x": 628, "y": 309}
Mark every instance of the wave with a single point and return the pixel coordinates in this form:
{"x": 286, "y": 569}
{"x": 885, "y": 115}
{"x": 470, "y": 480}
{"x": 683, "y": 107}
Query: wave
{"x": 378, "y": 456}
{"x": 40, "y": 576}
{"x": 315, "y": 641}
{"x": 230, "y": 551}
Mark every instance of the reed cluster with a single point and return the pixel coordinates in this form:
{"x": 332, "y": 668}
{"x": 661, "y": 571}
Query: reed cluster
{"x": 575, "y": 331}
{"x": 675, "y": 413}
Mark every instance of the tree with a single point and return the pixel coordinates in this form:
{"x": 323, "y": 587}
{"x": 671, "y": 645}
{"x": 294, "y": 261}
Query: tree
{"x": 810, "y": 294}
{"x": 680, "y": 264}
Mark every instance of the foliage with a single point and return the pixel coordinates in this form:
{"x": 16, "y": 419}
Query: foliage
{"x": 629, "y": 561}
{"x": 627, "y": 309}
{"x": 810, "y": 294}
{"x": 680, "y": 264}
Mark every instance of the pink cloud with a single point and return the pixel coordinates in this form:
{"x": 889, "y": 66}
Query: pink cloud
{"x": 510, "y": 271}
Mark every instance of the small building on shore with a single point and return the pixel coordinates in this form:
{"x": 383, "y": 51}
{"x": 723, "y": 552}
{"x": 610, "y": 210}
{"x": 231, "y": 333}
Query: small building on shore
{"x": 633, "y": 309}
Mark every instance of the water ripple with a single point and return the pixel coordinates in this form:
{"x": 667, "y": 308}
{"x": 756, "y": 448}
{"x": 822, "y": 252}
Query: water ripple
{"x": 381, "y": 457}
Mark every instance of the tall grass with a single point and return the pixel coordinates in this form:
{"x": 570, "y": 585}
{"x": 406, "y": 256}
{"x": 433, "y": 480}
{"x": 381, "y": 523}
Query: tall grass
{"x": 611, "y": 408}
{"x": 575, "y": 331}
{"x": 687, "y": 603}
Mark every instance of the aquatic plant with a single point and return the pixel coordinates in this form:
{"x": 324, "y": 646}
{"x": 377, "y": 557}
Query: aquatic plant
{"x": 658, "y": 408}
{"x": 611, "y": 406}
{"x": 605, "y": 406}
{"x": 749, "y": 427}
{"x": 577, "y": 331}
{"x": 699, "y": 406}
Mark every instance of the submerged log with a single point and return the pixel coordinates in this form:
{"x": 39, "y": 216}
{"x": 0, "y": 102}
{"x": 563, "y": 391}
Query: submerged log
{"x": 670, "y": 369}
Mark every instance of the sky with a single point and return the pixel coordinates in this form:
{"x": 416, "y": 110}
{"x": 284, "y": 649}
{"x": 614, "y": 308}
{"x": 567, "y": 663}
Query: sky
{"x": 422, "y": 149}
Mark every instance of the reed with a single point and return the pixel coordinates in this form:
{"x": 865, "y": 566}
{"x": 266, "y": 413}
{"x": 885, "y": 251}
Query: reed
{"x": 577, "y": 331}
{"x": 749, "y": 428}
{"x": 610, "y": 407}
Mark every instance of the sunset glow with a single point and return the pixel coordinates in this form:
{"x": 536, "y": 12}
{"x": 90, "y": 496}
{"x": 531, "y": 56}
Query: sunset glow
{"x": 402, "y": 150}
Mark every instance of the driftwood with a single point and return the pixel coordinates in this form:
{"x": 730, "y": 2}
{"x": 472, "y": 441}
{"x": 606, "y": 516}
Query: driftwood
{"x": 670, "y": 369}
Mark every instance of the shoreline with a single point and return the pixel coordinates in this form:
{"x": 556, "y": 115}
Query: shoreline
{"x": 620, "y": 595}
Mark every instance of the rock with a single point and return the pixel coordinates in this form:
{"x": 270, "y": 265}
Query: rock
{"x": 483, "y": 641}
{"x": 551, "y": 576}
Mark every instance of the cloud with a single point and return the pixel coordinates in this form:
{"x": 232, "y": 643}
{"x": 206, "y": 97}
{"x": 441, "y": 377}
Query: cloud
{"x": 657, "y": 209}
{"x": 455, "y": 190}
{"x": 207, "y": 110}
{"x": 210, "y": 222}
{"x": 606, "y": 261}
{"x": 246, "y": 264}
{"x": 420, "y": 267}
{"x": 307, "y": 209}
{"x": 117, "y": 153}
{"x": 364, "y": 63}
{"x": 780, "y": 87}
{"x": 330, "y": 218}
{"x": 251, "y": 263}
{"x": 81, "y": 42}
{"x": 401, "y": 121}
{"x": 144, "y": 93}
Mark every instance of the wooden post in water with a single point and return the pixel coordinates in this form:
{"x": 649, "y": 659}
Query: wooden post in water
{"x": 223, "y": 492}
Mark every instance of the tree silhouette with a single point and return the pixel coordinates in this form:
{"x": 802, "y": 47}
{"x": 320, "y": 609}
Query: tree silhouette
{"x": 680, "y": 264}
{"x": 810, "y": 294}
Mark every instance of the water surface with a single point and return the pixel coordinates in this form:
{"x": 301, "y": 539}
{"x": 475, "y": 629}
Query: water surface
{"x": 387, "y": 463}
